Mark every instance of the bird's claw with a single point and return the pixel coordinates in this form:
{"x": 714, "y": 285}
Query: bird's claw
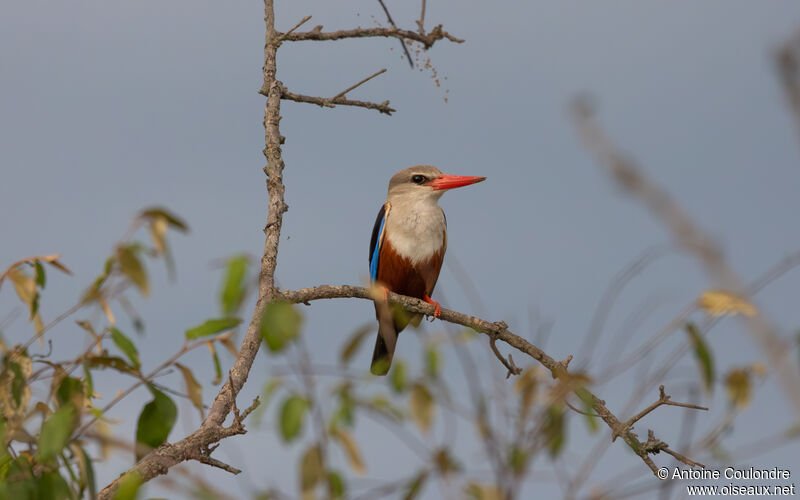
{"x": 437, "y": 307}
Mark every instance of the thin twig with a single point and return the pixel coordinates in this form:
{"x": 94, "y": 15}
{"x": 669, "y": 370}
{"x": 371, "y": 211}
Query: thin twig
{"x": 687, "y": 235}
{"x": 421, "y": 21}
{"x": 663, "y": 399}
{"x": 383, "y": 107}
{"x": 302, "y": 21}
{"x": 354, "y": 86}
{"x": 402, "y": 42}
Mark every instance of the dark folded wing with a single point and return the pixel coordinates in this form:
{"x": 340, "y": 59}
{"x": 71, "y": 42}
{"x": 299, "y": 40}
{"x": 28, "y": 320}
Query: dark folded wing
{"x": 375, "y": 243}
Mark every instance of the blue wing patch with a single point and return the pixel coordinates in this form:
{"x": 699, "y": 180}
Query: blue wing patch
{"x": 375, "y": 242}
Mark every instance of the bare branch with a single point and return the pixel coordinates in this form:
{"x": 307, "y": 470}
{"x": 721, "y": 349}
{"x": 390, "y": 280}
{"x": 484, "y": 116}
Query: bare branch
{"x": 509, "y": 364}
{"x": 302, "y": 21}
{"x": 788, "y": 66}
{"x": 686, "y": 235}
{"x": 421, "y": 21}
{"x": 498, "y": 330}
{"x": 663, "y": 399}
{"x": 383, "y": 107}
{"x": 211, "y": 431}
{"x": 426, "y": 39}
{"x": 354, "y": 86}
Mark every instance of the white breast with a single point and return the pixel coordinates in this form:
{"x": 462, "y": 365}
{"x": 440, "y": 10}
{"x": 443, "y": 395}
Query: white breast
{"x": 416, "y": 231}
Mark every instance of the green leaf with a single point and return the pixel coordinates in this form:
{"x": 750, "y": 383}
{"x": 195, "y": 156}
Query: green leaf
{"x": 125, "y": 345}
{"x": 432, "y": 362}
{"x": 56, "y": 431}
{"x": 588, "y": 409}
{"x": 132, "y": 267}
{"x": 87, "y": 470}
{"x": 233, "y": 288}
{"x": 53, "y": 487}
{"x": 155, "y": 422}
{"x": 416, "y": 485}
{"x": 217, "y": 366}
{"x": 398, "y": 376}
{"x": 293, "y": 412}
{"x": 40, "y": 277}
{"x": 554, "y": 429}
{"x": 336, "y": 485}
{"x": 173, "y": 220}
{"x": 70, "y": 391}
{"x": 18, "y": 384}
{"x": 211, "y": 326}
{"x": 114, "y": 362}
{"x": 702, "y": 354}
{"x": 280, "y": 324}
{"x": 128, "y": 486}
{"x": 353, "y": 343}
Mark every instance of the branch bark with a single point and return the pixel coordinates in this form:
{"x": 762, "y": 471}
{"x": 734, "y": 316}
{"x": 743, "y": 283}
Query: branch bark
{"x": 211, "y": 431}
{"x": 688, "y": 236}
{"x": 426, "y": 39}
{"x": 494, "y": 330}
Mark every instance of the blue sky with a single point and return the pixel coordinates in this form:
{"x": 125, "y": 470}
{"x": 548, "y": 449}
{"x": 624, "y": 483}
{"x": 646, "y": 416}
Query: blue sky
{"x": 108, "y": 107}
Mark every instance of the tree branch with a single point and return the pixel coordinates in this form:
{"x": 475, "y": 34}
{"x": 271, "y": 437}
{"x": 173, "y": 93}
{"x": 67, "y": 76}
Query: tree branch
{"x": 686, "y": 235}
{"x": 498, "y": 330}
{"x": 426, "y": 39}
{"x": 402, "y": 42}
{"x": 383, "y": 107}
{"x": 211, "y": 430}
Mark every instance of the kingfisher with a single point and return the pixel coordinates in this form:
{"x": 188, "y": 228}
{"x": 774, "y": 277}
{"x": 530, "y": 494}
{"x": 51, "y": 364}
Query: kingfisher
{"x": 407, "y": 249}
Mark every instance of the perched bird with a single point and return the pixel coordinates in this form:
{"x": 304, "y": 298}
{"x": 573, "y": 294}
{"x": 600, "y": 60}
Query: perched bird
{"x": 407, "y": 249}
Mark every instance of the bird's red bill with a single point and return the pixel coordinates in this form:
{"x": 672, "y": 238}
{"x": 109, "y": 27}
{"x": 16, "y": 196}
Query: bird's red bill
{"x": 453, "y": 181}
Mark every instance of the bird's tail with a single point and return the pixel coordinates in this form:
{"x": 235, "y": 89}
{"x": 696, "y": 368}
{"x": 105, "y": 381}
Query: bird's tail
{"x": 386, "y": 340}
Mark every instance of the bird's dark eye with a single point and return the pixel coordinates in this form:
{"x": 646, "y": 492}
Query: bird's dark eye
{"x": 418, "y": 179}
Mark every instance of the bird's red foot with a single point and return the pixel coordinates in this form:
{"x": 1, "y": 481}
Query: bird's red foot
{"x": 437, "y": 307}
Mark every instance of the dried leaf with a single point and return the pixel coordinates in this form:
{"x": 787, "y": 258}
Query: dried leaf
{"x": 353, "y": 343}
{"x": 720, "y": 303}
{"x": 480, "y": 491}
{"x": 162, "y": 213}
{"x": 53, "y": 261}
{"x": 422, "y": 407}
{"x": 106, "y": 310}
{"x": 526, "y": 385}
{"x": 350, "y": 448}
{"x": 193, "y": 388}
{"x": 738, "y": 387}
{"x": 312, "y": 470}
{"x": 132, "y": 267}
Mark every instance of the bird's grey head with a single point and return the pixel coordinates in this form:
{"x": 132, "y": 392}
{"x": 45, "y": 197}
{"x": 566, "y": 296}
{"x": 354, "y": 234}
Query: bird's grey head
{"x": 413, "y": 183}
{"x": 424, "y": 184}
